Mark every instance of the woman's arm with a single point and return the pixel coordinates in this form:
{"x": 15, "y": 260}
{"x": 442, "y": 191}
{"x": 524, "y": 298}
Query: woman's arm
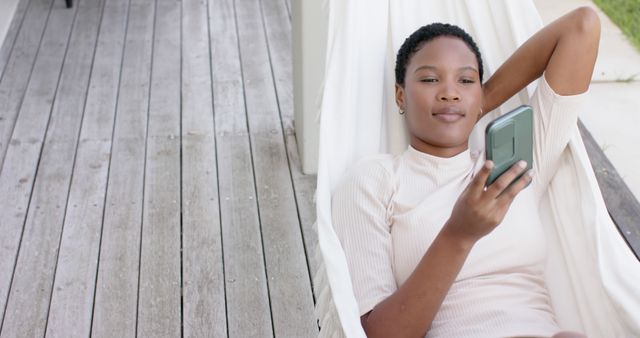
{"x": 565, "y": 51}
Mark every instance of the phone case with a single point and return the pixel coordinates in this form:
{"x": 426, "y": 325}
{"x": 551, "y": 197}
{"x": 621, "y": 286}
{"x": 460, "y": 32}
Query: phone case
{"x": 509, "y": 139}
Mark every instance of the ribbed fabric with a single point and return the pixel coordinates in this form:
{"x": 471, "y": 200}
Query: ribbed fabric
{"x": 387, "y": 211}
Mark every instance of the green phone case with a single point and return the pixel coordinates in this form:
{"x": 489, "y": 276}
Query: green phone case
{"x": 509, "y": 139}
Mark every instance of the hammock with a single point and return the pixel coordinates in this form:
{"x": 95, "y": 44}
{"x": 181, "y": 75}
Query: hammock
{"x": 592, "y": 275}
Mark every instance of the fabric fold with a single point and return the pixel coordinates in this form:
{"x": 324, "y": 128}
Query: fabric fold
{"x": 592, "y": 275}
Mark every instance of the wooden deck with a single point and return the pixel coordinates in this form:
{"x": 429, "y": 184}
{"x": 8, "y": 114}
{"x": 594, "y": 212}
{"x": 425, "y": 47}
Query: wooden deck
{"x": 149, "y": 178}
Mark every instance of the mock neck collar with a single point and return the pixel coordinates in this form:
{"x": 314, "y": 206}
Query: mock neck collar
{"x": 461, "y": 160}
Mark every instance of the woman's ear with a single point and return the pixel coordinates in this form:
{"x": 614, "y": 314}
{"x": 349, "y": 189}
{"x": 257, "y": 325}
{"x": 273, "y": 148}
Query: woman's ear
{"x": 400, "y": 97}
{"x": 482, "y": 105}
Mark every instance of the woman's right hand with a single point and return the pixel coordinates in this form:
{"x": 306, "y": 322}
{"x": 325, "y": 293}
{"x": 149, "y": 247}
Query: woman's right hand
{"x": 410, "y": 310}
{"x": 480, "y": 209}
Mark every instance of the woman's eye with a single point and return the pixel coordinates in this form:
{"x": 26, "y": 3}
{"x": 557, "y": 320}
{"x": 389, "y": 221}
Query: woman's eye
{"x": 465, "y": 81}
{"x": 429, "y": 80}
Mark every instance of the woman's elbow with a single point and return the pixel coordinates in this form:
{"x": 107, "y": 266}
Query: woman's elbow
{"x": 587, "y": 22}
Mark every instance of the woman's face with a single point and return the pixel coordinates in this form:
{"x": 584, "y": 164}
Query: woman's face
{"x": 442, "y": 96}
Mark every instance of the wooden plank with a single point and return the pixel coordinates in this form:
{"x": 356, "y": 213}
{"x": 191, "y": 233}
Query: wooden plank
{"x": 246, "y": 281}
{"x": 159, "y": 309}
{"x": 289, "y": 285}
{"x": 245, "y": 278}
{"x": 278, "y": 30}
{"x": 204, "y": 308}
{"x": 115, "y": 307}
{"x": 18, "y": 175}
{"x": 12, "y": 33}
{"x": 305, "y": 189}
{"x": 18, "y": 72}
{"x": 71, "y": 307}
{"x": 621, "y": 203}
{"x": 28, "y": 305}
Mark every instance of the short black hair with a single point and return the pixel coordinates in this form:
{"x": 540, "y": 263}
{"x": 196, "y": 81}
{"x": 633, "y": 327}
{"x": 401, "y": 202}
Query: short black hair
{"x": 425, "y": 34}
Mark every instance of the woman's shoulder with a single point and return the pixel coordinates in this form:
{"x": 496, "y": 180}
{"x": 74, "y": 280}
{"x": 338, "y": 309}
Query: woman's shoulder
{"x": 370, "y": 172}
{"x": 380, "y": 166}
{"x": 373, "y": 163}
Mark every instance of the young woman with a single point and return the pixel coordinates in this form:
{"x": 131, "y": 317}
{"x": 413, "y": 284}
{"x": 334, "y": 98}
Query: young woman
{"x": 431, "y": 250}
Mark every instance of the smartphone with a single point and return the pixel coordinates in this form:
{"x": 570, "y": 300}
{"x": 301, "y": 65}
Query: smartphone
{"x": 509, "y": 139}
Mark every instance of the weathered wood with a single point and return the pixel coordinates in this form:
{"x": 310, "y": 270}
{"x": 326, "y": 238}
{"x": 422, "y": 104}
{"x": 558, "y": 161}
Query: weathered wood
{"x": 305, "y": 189}
{"x": 28, "y": 306}
{"x": 264, "y": 220}
{"x": 278, "y": 32}
{"x": 71, "y": 307}
{"x": 18, "y": 175}
{"x": 18, "y": 72}
{"x": 278, "y": 29}
{"x": 159, "y": 309}
{"x": 289, "y": 284}
{"x": 12, "y": 33}
{"x": 139, "y": 248}
{"x": 116, "y": 297}
{"x": 245, "y": 278}
{"x": 621, "y": 203}
{"x": 204, "y": 311}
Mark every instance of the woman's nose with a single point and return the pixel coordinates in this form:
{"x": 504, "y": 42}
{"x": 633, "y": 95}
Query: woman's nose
{"x": 448, "y": 94}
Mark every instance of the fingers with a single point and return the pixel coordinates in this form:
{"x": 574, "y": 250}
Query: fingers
{"x": 502, "y": 182}
{"x": 514, "y": 189}
{"x": 478, "y": 182}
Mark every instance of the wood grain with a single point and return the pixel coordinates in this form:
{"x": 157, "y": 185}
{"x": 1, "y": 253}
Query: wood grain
{"x": 71, "y": 308}
{"x": 159, "y": 309}
{"x": 17, "y": 184}
{"x": 19, "y": 68}
{"x": 289, "y": 283}
{"x": 115, "y": 308}
{"x": 620, "y": 201}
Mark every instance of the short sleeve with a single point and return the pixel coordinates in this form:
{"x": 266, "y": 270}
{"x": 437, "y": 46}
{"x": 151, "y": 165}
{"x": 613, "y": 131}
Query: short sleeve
{"x": 359, "y": 213}
{"x": 554, "y": 122}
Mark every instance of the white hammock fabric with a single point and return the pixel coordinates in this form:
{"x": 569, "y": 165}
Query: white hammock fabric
{"x": 593, "y": 277}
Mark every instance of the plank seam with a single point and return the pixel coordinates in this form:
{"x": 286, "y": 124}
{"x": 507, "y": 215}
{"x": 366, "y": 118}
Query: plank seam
{"x": 215, "y": 137}
{"x": 253, "y": 169}
{"x": 14, "y": 37}
{"x": 106, "y": 187}
{"x": 286, "y": 147}
{"x": 144, "y": 167}
{"x": 75, "y": 156}
{"x": 180, "y": 187}
{"x": 19, "y": 107}
{"x": 44, "y": 139}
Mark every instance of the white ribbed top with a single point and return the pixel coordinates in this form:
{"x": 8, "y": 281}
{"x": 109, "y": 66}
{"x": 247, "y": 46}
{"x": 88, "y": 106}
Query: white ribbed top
{"x": 388, "y": 210}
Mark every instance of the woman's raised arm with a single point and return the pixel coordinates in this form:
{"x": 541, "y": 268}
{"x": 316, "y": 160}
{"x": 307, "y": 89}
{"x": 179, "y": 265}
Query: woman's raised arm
{"x": 565, "y": 50}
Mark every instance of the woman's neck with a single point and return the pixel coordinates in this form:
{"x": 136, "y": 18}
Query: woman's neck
{"x": 435, "y": 150}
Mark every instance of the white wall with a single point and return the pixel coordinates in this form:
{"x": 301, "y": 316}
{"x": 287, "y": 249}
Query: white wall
{"x": 310, "y": 24}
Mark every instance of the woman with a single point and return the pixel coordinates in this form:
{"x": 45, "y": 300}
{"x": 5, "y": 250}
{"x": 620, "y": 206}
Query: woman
{"x": 430, "y": 249}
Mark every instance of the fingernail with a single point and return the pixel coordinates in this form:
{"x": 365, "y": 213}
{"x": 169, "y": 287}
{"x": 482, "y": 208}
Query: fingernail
{"x": 529, "y": 173}
{"x": 522, "y": 164}
{"x": 489, "y": 164}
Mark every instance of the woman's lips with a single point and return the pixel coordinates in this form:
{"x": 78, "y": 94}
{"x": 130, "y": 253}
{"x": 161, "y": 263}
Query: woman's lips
{"x": 448, "y": 114}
